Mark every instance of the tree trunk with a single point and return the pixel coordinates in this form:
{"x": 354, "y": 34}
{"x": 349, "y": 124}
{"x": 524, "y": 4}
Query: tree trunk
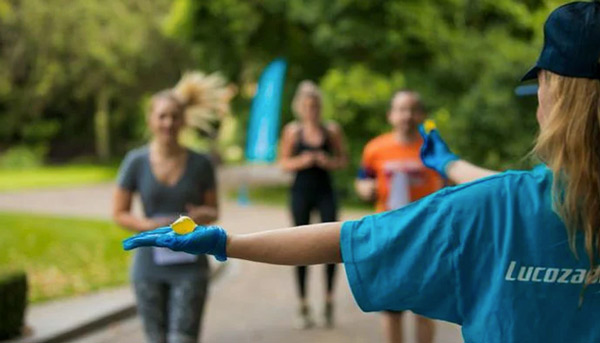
{"x": 102, "y": 126}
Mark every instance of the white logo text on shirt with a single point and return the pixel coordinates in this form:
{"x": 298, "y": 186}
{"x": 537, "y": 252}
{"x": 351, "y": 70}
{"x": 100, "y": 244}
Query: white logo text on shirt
{"x": 517, "y": 273}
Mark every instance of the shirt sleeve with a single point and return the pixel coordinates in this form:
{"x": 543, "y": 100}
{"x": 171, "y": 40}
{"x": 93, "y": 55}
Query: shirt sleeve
{"x": 127, "y": 176}
{"x": 208, "y": 177}
{"x": 367, "y": 165}
{"x": 405, "y": 259}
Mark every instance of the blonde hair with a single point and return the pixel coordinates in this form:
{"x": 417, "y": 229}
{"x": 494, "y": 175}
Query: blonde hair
{"x": 305, "y": 89}
{"x": 569, "y": 143}
{"x": 202, "y": 98}
{"x": 166, "y": 94}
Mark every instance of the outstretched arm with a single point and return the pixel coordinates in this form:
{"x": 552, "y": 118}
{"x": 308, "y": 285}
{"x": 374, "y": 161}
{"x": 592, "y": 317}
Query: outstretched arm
{"x": 436, "y": 155}
{"x": 461, "y": 171}
{"x": 303, "y": 245}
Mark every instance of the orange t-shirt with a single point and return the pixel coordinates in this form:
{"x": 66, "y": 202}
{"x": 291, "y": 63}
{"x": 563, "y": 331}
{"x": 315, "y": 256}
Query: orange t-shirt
{"x": 400, "y": 175}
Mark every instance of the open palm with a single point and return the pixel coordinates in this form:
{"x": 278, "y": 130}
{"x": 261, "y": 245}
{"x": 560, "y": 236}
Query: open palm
{"x": 209, "y": 240}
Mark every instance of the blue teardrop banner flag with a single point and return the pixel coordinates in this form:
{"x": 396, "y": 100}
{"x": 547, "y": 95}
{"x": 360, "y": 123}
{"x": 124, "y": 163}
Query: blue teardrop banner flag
{"x": 263, "y": 127}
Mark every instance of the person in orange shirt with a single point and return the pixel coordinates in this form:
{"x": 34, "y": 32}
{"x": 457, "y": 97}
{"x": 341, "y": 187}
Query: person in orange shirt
{"x": 393, "y": 175}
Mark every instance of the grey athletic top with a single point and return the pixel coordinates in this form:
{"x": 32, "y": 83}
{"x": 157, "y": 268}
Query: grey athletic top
{"x": 158, "y": 199}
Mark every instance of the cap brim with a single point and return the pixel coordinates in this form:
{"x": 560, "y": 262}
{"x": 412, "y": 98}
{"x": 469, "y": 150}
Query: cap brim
{"x": 526, "y": 90}
{"x": 532, "y": 74}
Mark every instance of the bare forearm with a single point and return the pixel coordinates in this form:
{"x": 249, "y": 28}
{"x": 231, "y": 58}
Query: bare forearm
{"x": 132, "y": 222}
{"x": 461, "y": 171}
{"x": 302, "y": 245}
{"x": 204, "y": 215}
{"x": 292, "y": 164}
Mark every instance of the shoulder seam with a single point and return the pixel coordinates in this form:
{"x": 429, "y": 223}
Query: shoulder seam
{"x": 137, "y": 153}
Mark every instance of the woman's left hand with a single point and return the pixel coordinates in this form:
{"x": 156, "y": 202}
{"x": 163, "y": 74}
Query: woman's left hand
{"x": 211, "y": 240}
{"x": 322, "y": 160}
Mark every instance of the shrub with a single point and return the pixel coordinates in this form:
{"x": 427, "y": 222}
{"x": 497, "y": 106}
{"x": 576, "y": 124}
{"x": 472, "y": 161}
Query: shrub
{"x": 13, "y": 301}
{"x": 22, "y": 157}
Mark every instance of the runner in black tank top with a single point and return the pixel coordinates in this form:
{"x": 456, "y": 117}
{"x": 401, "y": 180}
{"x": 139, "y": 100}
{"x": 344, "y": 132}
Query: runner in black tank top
{"x": 311, "y": 150}
{"x": 313, "y": 190}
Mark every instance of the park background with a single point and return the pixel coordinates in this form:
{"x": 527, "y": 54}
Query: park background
{"x": 76, "y": 76}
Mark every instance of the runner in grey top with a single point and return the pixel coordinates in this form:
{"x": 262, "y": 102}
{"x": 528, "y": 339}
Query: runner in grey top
{"x": 170, "y": 287}
{"x": 160, "y": 200}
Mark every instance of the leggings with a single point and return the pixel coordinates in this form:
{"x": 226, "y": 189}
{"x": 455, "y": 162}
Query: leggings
{"x": 171, "y": 311}
{"x": 303, "y": 202}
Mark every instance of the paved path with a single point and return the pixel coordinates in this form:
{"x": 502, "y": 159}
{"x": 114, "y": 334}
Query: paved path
{"x": 95, "y": 201}
{"x": 251, "y": 302}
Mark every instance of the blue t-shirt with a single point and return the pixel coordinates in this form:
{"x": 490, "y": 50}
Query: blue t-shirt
{"x": 490, "y": 255}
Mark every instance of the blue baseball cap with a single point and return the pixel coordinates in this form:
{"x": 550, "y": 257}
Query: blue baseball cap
{"x": 571, "y": 44}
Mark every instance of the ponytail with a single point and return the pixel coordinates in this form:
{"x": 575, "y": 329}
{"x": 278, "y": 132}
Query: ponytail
{"x": 569, "y": 143}
{"x": 205, "y": 99}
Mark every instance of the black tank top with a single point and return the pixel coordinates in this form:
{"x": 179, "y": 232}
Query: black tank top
{"x": 312, "y": 178}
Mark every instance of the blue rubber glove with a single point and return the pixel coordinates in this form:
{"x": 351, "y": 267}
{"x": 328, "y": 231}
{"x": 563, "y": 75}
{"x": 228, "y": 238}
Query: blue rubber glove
{"x": 209, "y": 240}
{"x": 435, "y": 154}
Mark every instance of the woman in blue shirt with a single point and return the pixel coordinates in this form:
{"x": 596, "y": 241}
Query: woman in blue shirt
{"x": 504, "y": 256}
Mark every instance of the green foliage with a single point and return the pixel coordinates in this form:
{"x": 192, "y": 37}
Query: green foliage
{"x": 358, "y": 99}
{"x": 62, "y": 256}
{"x": 464, "y": 56}
{"x": 61, "y": 59}
{"x": 13, "y": 301}
{"x": 270, "y": 195}
{"x": 22, "y": 157}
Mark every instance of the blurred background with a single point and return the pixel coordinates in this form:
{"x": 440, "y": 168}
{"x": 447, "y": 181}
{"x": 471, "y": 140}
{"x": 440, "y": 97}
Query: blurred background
{"x": 75, "y": 82}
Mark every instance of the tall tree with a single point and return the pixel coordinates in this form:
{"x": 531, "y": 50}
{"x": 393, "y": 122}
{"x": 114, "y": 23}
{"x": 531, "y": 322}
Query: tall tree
{"x": 465, "y": 56}
{"x": 71, "y": 66}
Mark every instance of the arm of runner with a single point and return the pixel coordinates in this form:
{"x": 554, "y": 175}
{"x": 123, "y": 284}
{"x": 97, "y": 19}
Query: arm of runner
{"x": 303, "y": 245}
{"x": 339, "y": 157}
{"x": 365, "y": 183}
{"x": 287, "y": 161}
{"x": 123, "y": 198}
{"x": 436, "y": 155}
{"x": 122, "y": 215}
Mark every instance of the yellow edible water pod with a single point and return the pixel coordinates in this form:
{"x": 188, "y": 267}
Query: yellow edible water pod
{"x": 183, "y": 225}
{"x": 429, "y": 125}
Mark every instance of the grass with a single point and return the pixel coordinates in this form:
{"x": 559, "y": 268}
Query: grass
{"x": 54, "y": 176}
{"x": 279, "y": 195}
{"x": 62, "y": 256}
{"x": 269, "y": 195}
